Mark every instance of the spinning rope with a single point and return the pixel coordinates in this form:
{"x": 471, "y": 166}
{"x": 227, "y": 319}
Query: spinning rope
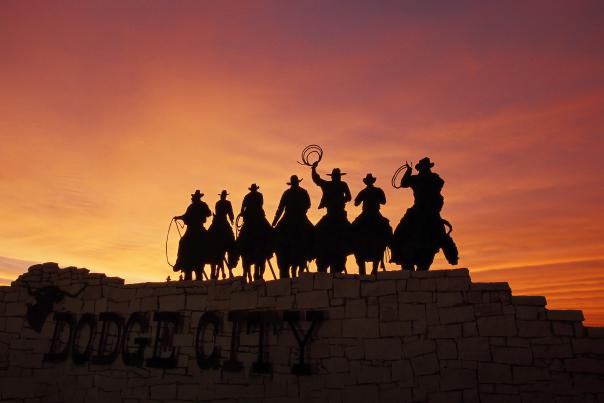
{"x": 310, "y": 151}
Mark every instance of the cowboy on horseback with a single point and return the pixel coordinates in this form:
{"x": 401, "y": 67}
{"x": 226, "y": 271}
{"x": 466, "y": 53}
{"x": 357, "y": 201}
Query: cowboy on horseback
{"x": 222, "y": 239}
{"x": 421, "y": 232}
{"x": 191, "y": 247}
{"x": 293, "y": 229}
{"x": 371, "y": 230}
{"x": 254, "y": 242}
{"x": 332, "y": 231}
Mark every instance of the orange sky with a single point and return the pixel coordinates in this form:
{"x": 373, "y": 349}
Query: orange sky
{"x": 113, "y": 112}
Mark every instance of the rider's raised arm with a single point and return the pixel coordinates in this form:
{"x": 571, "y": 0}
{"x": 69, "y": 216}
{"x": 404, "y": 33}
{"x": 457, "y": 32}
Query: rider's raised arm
{"x": 316, "y": 178}
{"x": 406, "y": 179}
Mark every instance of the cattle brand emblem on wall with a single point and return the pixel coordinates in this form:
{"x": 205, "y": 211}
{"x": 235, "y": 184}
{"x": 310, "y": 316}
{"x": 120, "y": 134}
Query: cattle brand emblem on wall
{"x": 46, "y": 298}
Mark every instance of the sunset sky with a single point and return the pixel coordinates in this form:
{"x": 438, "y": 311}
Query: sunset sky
{"x": 113, "y": 112}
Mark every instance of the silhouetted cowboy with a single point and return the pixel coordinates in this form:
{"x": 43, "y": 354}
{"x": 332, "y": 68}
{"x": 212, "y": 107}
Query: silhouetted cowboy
{"x": 371, "y": 231}
{"x": 191, "y": 249}
{"x": 255, "y": 239}
{"x": 332, "y": 231}
{"x": 421, "y": 232}
{"x": 293, "y": 232}
{"x": 222, "y": 239}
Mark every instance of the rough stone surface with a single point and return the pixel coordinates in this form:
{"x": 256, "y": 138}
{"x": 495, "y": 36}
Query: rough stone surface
{"x": 403, "y": 336}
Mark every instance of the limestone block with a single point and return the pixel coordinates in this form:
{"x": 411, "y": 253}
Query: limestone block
{"x": 345, "y": 288}
{"x": 595, "y": 332}
{"x": 425, "y": 364}
{"x": 488, "y": 309}
{"x": 446, "y": 299}
{"x": 534, "y": 328}
{"x": 503, "y": 286}
{"x": 383, "y": 349}
{"x": 312, "y": 299}
{"x": 305, "y": 282}
{"x": 187, "y": 392}
{"x": 588, "y": 346}
{"x": 397, "y": 328}
{"x": 565, "y": 315}
{"x": 119, "y": 294}
{"x": 453, "y": 284}
{"x": 15, "y": 309}
{"x": 172, "y": 302}
{"x": 335, "y": 364}
{"x": 393, "y": 275}
{"x": 278, "y": 288}
{"x": 355, "y": 308}
{"x": 388, "y": 308}
{"x": 497, "y": 326}
{"x": 529, "y": 300}
{"x": 512, "y": 355}
{"x": 378, "y": 288}
{"x": 428, "y": 284}
{"x": 418, "y": 297}
{"x": 196, "y": 302}
{"x": 446, "y": 349}
{"x": 528, "y": 312}
{"x": 432, "y": 314}
{"x": 530, "y": 374}
{"x": 370, "y": 374}
{"x": 444, "y": 332}
{"x": 419, "y": 347}
{"x": 411, "y": 311}
{"x": 323, "y": 281}
{"x": 162, "y": 392}
{"x": 457, "y": 379}
{"x": 149, "y": 304}
{"x": 429, "y": 274}
{"x": 550, "y": 351}
{"x": 489, "y": 372}
{"x": 583, "y": 364}
{"x": 360, "y": 393}
{"x": 284, "y": 303}
{"x": 456, "y": 314}
{"x": 474, "y": 349}
{"x": 244, "y": 299}
{"x": 360, "y": 327}
{"x": 563, "y": 329}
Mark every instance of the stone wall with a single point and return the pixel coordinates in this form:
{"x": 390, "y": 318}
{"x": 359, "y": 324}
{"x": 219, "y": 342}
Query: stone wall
{"x": 423, "y": 336}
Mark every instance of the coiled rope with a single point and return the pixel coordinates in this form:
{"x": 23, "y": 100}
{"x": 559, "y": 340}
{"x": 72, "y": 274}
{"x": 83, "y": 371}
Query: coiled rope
{"x": 395, "y": 182}
{"x": 178, "y": 228}
{"x": 308, "y": 152}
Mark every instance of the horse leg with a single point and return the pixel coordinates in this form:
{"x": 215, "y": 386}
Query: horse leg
{"x": 374, "y": 268}
{"x": 246, "y": 272}
{"x": 221, "y": 267}
{"x": 321, "y": 266}
{"x": 188, "y": 275}
{"x": 425, "y": 261}
{"x": 283, "y": 267}
{"x": 361, "y": 265}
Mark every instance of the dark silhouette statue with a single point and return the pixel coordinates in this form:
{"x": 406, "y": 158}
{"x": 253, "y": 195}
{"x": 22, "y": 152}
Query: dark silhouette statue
{"x": 254, "y": 242}
{"x": 221, "y": 238}
{"x": 192, "y": 247}
{"x": 331, "y": 235}
{"x": 371, "y": 231}
{"x": 421, "y": 232}
{"x": 293, "y": 230}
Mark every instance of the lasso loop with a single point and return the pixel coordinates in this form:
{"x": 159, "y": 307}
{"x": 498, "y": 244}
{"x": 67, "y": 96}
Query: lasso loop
{"x": 178, "y": 228}
{"x": 395, "y": 181}
{"x": 310, "y": 151}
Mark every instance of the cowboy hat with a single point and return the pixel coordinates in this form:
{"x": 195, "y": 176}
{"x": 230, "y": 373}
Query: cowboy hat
{"x": 254, "y": 187}
{"x": 294, "y": 180}
{"x": 336, "y": 172}
{"x": 197, "y": 194}
{"x": 369, "y": 179}
{"x": 424, "y": 163}
{"x": 224, "y": 192}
